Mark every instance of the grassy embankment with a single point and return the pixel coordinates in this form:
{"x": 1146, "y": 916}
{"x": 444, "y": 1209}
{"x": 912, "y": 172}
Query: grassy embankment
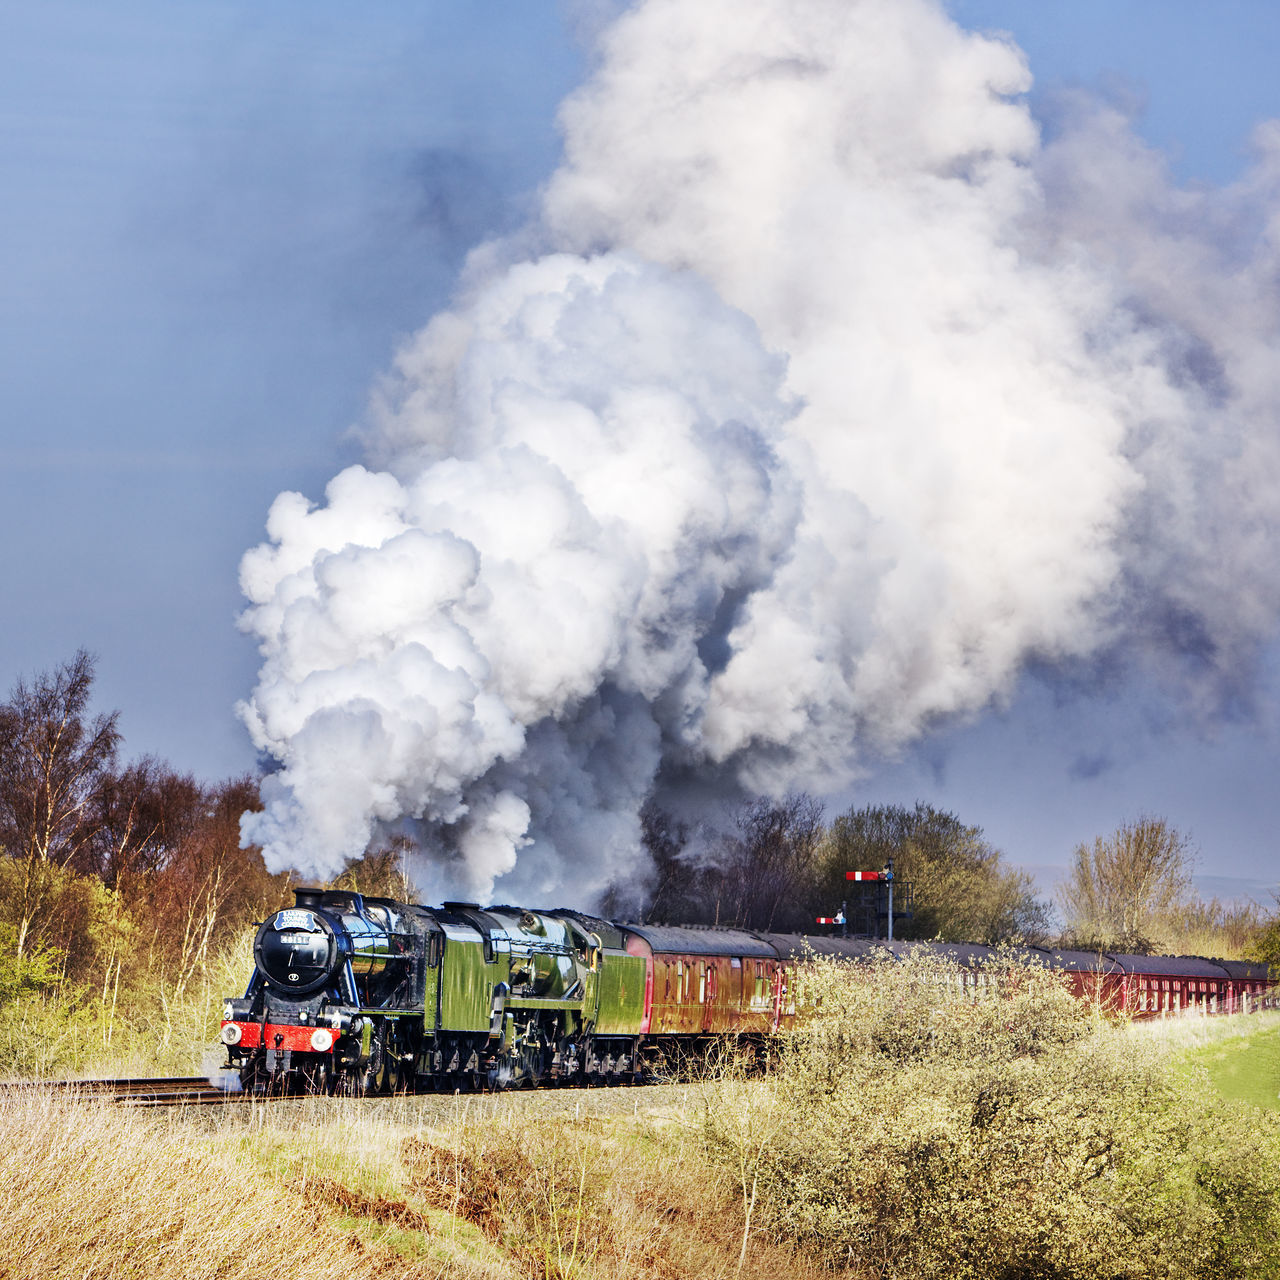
{"x": 1248, "y": 1069}
{"x": 607, "y": 1183}
{"x": 902, "y": 1136}
{"x": 1240, "y": 1055}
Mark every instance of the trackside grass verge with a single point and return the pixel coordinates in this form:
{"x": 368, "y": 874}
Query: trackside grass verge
{"x": 534, "y": 1187}
{"x": 1242, "y": 1062}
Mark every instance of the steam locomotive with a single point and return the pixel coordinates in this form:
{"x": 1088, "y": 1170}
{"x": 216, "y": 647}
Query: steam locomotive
{"x": 376, "y": 996}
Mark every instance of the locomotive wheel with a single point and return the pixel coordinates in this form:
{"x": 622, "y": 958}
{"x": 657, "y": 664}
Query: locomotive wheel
{"x": 392, "y": 1064}
{"x": 371, "y": 1079}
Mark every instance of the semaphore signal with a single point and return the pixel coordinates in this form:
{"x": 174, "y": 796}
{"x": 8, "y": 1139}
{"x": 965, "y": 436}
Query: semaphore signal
{"x": 873, "y": 902}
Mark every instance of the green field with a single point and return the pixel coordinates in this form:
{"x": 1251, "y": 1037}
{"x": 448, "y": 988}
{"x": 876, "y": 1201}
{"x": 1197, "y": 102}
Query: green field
{"x": 1245, "y": 1067}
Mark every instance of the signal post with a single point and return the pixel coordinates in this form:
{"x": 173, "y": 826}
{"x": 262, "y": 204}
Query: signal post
{"x": 872, "y": 901}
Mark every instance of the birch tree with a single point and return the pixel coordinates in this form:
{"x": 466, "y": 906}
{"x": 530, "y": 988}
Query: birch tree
{"x": 54, "y": 758}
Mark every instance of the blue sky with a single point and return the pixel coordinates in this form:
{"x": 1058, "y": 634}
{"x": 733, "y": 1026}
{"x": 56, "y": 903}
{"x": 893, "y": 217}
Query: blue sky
{"x": 216, "y": 221}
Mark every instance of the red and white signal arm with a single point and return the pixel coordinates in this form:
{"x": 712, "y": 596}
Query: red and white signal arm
{"x": 863, "y": 875}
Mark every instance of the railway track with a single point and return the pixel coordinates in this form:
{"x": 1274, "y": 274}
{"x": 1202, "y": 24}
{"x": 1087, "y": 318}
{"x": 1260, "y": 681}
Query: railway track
{"x": 197, "y": 1091}
{"x": 147, "y": 1091}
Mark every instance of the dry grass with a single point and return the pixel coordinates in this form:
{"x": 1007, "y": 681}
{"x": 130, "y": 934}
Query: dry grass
{"x": 601, "y": 1200}
{"x": 606, "y": 1185}
{"x": 1179, "y": 1034}
{"x": 92, "y": 1191}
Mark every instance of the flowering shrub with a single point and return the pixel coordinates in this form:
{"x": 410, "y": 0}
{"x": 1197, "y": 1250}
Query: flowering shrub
{"x": 912, "y": 1131}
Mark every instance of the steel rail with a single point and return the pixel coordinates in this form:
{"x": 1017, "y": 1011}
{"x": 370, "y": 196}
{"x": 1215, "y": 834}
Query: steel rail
{"x": 146, "y": 1091}
{"x": 174, "y": 1091}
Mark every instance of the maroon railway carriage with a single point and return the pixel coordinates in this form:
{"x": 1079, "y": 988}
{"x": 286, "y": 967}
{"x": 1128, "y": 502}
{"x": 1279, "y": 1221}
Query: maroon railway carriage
{"x": 1161, "y": 986}
{"x": 1151, "y": 986}
{"x": 708, "y": 982}
{"x": 1139, "y": 986}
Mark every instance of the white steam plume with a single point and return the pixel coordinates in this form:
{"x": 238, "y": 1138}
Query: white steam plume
{"x": 822, "y": 398}
{"x": 502, "y": 637}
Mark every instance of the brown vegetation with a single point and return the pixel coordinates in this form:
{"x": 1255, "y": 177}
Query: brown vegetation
{"x": 626, "y": 1201}
{"x": 124, "y": 892}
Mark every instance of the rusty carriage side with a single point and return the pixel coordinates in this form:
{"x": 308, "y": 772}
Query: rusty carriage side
{"x": 706, "y": 984}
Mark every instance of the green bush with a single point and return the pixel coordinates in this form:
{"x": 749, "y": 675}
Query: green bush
{"x": 148, "y": 1023}
{"x": 911, "y": 1132}
{"x": 25, "y": 975}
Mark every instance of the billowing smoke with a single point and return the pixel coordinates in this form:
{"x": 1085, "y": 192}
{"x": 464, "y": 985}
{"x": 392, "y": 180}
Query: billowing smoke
{"x": 823, "y": 397}
{"x": 501, "y": 635}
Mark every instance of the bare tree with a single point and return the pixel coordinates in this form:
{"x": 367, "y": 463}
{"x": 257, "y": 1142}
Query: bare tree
{"x": 381, "y": 872}
{"x": 757, "y": 874}
{"x": 208, "y": 886}
{"x": 139, "y": 817}
{"x": 1124, "y": 886}
{"x": 674, "y": 887}
{"x": 765, "y": 866}
{"x": 53, "y": 761}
